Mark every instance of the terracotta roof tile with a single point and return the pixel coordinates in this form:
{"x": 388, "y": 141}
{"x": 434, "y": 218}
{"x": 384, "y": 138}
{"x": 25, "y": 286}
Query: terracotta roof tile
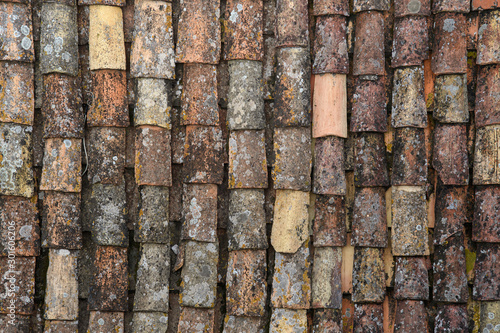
{"x": 326, "y": 278}
{"x": 61, "y": 326}
{"x": 291, "y": 27}
{"x": 368, "y": 318}
{"x": 449, "y": 49}
{"x": 370, "y": 166}
{"x": 486, "y": 155}
{"x": 61, "y": 217}
{"x": 153, "y": 105}
{"x": 199, "y": 37}
{"x": 153, "y": 52}
{"x": 109, "y": 321}
{"x": 450, "y": 154}
{"x": 450, "y": 99}
{"x": 286, "y": 320}
{"x": 411, "y": 279}
{"x": 411, "y": 316}
{"x": 369, "y": 225}
{"x": 488, "y": 52}
{"x": 199, "y": 212}
{"x": 458, "y": 6}
{"x": 369, "y": 94}
{"x": 487, "y": 104}
{"x": 17, "y": 105}
{"x": 368, "y": 279}
{"x": 488, "y": 315}
{"x": 411, "y": 44}
{"x": 16, "y": 40}
{"x": 330, "y": 45}
{"x": 153, "y": 214}
{"x": 472, "y": 29}
{"x": 23, "y": 272}
{"x": 408, "y": 101}
{"x": 451, "y": 317}
{"x": 196, "y": 320}
{"x": 369, "y": 44}
{"x": 412, "y": 7}
{"x": 331, "y": 7}
{"x": 486, "y": 272}
{"x": 329, "y": 227}
{"x": 152, "y": 148}
{"x": 62, "y": 165}
{"x": 106, "y": 155}
{"x": 247, "y": 160}
{"x": 484, "y": 4}
{"x": 292, "y": 95}
{"x": 327, "y": 320}
{"x": 236, "y": 324}
{"x": 486, "y": 226}
{"x": 329, "y": 177}
{"x": 450, "y": 212}
{"x": 149, "y": 321}
{"x": 410, "y": 160}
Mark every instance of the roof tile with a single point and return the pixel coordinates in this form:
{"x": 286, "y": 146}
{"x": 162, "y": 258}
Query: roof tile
{"x": 61, "y": 326}
{"x": 411, "y": 42}
{"x": 330, "y": 45}
{"x": 364, "y": 5}
{"x": 245, "y": 109}
{"x": 411, "y": 316}
{"x": 200, "y": 212}
{"x": 368, "y": 276}
{"x": 329, "y": 176}
{"x": 153, "y": 52}
{"x": 408, "y": 101}
{"x": 17, "y": 105}
{"x": 24, "y": 275}
{"x": 484, "y": 4}
{"x": 106, "y": 321}
{"x": 410, "y": 160}
{"x": 489, "y": 318}
{"x": 288, "y": 320}
{"x": 292, "y": 105}
{"x": 199, "y": 37}
{"x": 369, "y": 43}
{"x": 450, "y": 99}
{"x": 458, "y": 6}
{"x": 329, "y": 227}
{"x": 62, "y": 165}
{"x": 237, "y": 324}
{"x": 196, "y": 320}
{"x": 243, "y": 30}
{"x": 411, "y": 279}
{"x": 450, "y": 211}
{"x": 59, "y": 39}
{"x": 149, "y": 321}
{"x": 247, "y": 160}
{"x": 368, "y": 318}
{"x": 16, "y": 41}
{"x": 487, "y": 272}
{"x": 370, "y": 166}
{"x": 326, "y": 278}
{"x": 369, "y": 94}
{"x": 153, "y": 106}
{"x": 449, "y": 54}
{"x": 369, "y": 224}
{"x": 472, "y": 29}
{"x": 327, "y": 320}
{"x": 487, "y": 106}
{"x": 486, "y": 222}
{"x": 486, "y": 155}
{"x": 451, "y": 318}
{"x": 246, "y": 285}
{"x": 109, "y": 105}
{"x": 153, "y": 214}
{"x": 291, "y": 27}
{"x": 152, "y": 149}
{"x": 450, "y": 158}
{"x": 329, "y": 105}
{"x": 412, "y": 7}
{"x": 106, "y": 155}
{"x": 61, "y": 217}
{"x": 331, "y": 7}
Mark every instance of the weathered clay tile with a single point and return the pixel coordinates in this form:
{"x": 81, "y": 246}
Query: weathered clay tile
{"x": 408, "y": 102}
{"x": 292, "y": 106}
{"x": 457, "y": 6}
{"x": 200, "y": 212}
{"x": 410, "y": 160}
{"x": 16, "y": 40}
{"x": 450, "y": 154}
{"x": 247, "y": 221}
{"x": 108, "y": 289}
{"x": 365, "y": 5}
{"x": 153, "y": 54}
{"x": 409, "y": 221}
{"x": 243, "y": 30}
{"x": 61, "y": 216}
{"x": 153, "y": 106}
{"x": 451, "y": 318}
{"x": 411, "y": 316}
{"x": 153, "y": 215}
{"x": 106, "y": 155}
{"x": 329, "y": 176}
{"x": 59, "y": 39}
{"x": 107, "y": 50}
{"x": 411, "y": 279}
{"x": 370, "y": 166}
{"x": 369, "y": 43}
{"x": 18, "y": 97}
{"x": 199, "y": 275}
{"x": 488, "y": 51}
{"x": 326, "y": 278}
{"x": 152, "y": 156}
{"x": 61, "y": 326}
{"x": 369, "y": 104}
{"x": 238, "y": 324}
{"x": 449, "y": 50}
{"x": 196, "y": 320}
{"x": 369, "y": 224}
{"x": 450, "y": 278}
{"x": 330, "y": 45}
{"x": 20, "y": 213}
{"x": 291, "y": 221}
{"x": 410, "y": 45}
{"x": 109, "y": 105}
{"x": 17, "y": 285}
{"x": 245, "y": 97}
{"x": 16, "y": 174}
{"x": 83, "y": 24}
{"x": 61, "y": 294}
{"x": 293, "y": 158}
{"x": 329, "y": 227}
{"x": 487, "y": 104}
{"x": 63, "y": 116}
{"x": 487, "y": 272}
{"x": 106, "y": 321}
{"x": 489, "y": 319}
{"x": 450, "y": 211}
{"x": 412, "y": 7}
{"x": 23, "y": 323}
{"x": 330, "y": 105}
{"x": 368, "y": 318}
{"x": 472, "y": 29}
{"x": 247, "y": 160}
{"x": 486, "y": 155}
{"x": 62, "y": 165}
{"x": 292, "y": 279}
{"x": 327, "y": 320}
{"x": 149, "y": 321}
{"x": 151, "y": 290}
{"x": 329, "y": 7}
{"x": 292, "y": 22}
{"x": 368, "y": 276}
{"x": 199, "y": 37}
{"x": 288, "y": 320}
{"x": 246, "y": 283}
{"x": 109, "y": 226}
{"x": 203, "y": 155}
{"x": 486, "y": 223}
{"x": 484, "y": 4}
{"x": 450, "y": 99}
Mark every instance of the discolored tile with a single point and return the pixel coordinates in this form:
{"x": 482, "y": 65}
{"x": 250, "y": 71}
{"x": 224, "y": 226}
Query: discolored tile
{"x": 106, "y": 321}
{"x": 484, "y": 4}
{"x": 329, "y": 7}
{"x": 149, "y": 321}
{"x": 288, "y": 320}
{"x": 487, "y": 273}
{"x": 152, "y": 53}
{"x": 62, "y": 164}
{"x": 486, "y": 156}
{"x": 330, "y": 106}
{"x": 488, "y": 316}
{"x": 329, "y": 176}
{"x": 486, "y": 223}
{"x": 369, "y": 224}
{"x": 368, "y": 276}
{"x": 247, "y": 160}
{"x": 200, "y": 212}
{"x": 106, "y": 155}
{"x": 411, "y": 279}
{"x": 153, "y": 105}
{"x": 17, "y": 285}
{"x": 488, "y": 51}
{"x": 238, "y": 324}
{"x": 451, "y": 205}
{"x": 450, "y": 99}
{"x": 410, "y": 160}
{"x": 451, "y": 318}
{"x": 369, "y": 94}
{"x": 368, "y": 318}
{"x": 410, "y": 316}
{"x": 330, "y": 45}
{"x": 449, "y": 49}
{"x": 487, "y": 104}
{"x": 62, "y": 224}
{"x": 196, "y": 320}
{"x": 408, "y": 102}
{"x": 327, "y": 320}
{"x": 16, "y": 41}
{"x": 291, "y": 27}
{"x": 411, "y": 43}
{"x": 369, "y": 43}
{"x": 329, "y": 228}
{"x": 153, "y": 215}
{"x": 370, "y": 166}
{"x": 153, "y": 156}
{"x": 412, "y": 7}
{"x": 326, "y": 278}
{"x": 17, "y": 105}
{"x": 61, "y": 326}
{"x": 450, "y": 158}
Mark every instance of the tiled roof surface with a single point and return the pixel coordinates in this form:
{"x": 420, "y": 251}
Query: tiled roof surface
{"x": 249, "y": 166}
